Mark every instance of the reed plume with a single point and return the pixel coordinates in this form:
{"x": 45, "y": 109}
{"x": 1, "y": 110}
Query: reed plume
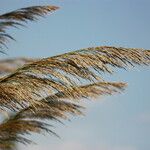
{"x": 18, "y": 17}
{"x": 52, "y": 88}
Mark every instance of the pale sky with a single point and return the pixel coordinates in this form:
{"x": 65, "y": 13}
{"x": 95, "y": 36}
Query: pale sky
{"x": 120, "y": 122}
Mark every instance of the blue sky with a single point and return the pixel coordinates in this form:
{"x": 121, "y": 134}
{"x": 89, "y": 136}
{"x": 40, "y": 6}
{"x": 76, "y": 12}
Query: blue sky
{"x": 120, "y": 122}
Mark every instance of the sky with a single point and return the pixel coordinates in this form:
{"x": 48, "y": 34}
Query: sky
{"x": 119, "y": 122}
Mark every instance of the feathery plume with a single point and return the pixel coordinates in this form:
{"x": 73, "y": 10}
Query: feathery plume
{"x": 18, "y": 17}
{"x": 54, "y": 108}
{"x": 45, "y": 77}
{"x": 12, "y": 64}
